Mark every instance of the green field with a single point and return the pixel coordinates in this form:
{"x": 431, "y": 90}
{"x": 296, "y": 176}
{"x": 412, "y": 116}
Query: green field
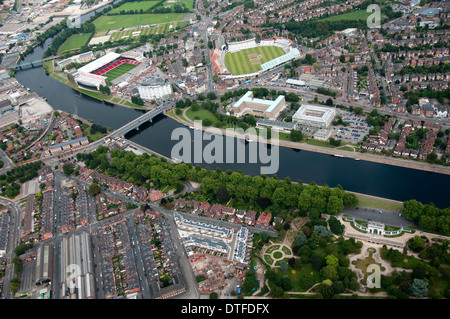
{"x": 250, "y": 60}
{"x": 187, "y": 3}
{"x": 158, "y": 29}
{"x": 75, "y": 41}
{"x": 355, "y": 15}
{"x": 117, "y": 22}
{"x": 144, "y": 5}
{"x": 120, "y": 70}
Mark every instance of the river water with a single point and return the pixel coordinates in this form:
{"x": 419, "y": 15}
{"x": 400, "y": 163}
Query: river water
{"x": 371, "y": 178}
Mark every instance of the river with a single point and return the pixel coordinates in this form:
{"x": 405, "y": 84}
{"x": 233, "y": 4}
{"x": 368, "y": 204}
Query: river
{"x": 365, "y": 177}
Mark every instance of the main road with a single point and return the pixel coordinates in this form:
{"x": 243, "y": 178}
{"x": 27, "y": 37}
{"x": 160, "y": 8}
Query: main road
{"x": 13, "y": 241}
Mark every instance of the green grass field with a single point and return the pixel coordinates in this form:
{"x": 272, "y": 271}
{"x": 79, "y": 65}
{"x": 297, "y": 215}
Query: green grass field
{"x": 138, "y": 5}
{"x": 117, "y": 22}
{"x": 250, "y": 60}
{"x": 355, "y": 15}
{"x": 158, "y": 29}
{"x": 187, "y": 3}
{"x": 120, "y": 70}
{"x": 75, "y": 41}
{"x": 202, "y": 115}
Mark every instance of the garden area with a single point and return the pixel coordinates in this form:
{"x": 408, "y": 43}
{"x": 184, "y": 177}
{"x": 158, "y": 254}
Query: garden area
{"x": 324, "y": 264}
{"x": 311, "y": 264}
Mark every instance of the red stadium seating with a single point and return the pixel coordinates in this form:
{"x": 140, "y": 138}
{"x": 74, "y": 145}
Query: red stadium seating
{"x": 114, "y": 64}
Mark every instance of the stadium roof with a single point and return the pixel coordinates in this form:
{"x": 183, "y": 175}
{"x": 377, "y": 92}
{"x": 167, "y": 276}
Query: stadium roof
{"x": 90, "y": 79}
{"x": 94, "y": 65}
{"x": 281, "y": 59}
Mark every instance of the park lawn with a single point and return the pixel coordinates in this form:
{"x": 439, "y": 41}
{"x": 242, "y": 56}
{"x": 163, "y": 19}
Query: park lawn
{"x": 201, "y": 114}
{"x": 138, "y": 5}
{"x": 75, "y": 41}
{"x": 157, "y": 29}
{"x": 379, "y": 203}
{"x": 116, "y": 22}
{"x": 319, "y": 143}
{"x": 244, "y": 62}
{"x": 355, "y": 15}
{"x": 118, "y": 71}
{"x": 94, "y": 137}
{"x": 304, "y": 278}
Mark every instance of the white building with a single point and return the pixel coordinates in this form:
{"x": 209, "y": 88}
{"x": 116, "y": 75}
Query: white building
{"x": 154, "y": 91}
{"x": 258, "y": 107}
{"x": 316, "y": 116}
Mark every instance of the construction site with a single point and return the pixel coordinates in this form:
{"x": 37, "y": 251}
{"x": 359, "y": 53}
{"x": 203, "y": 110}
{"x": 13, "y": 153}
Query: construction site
{"x": 216, "y": 275}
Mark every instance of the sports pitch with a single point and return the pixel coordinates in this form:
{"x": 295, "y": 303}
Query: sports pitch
{"x": 249, "y": 60}
{"x": 158, "y": 29}
{"x": 138, "y": 5}
{"x": 116, "y": 22}
{"x": 118, "y": 71}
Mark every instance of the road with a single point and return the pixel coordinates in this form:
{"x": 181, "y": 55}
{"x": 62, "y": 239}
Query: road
{"x": 13, "y": 241}
{"x": 203, "y": 26}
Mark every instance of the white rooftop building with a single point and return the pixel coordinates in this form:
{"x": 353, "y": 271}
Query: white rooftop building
{"x": 155, "y": 91}
{"x": 316, "y": 116}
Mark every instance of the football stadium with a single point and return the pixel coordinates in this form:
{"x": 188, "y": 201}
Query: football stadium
{"x": 106, "y": 68}
{"x": 251, "y": 57}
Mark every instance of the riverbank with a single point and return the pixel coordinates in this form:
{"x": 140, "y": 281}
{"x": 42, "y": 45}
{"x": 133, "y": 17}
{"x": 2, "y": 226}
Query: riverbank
{"x": 96, "y": 95}
{"x": 381, "y": 159}
{"x": 432, "y": 168}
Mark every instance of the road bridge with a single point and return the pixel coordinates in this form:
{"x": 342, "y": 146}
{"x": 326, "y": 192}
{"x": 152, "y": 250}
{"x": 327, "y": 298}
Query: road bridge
{"x": 32, "y": 64}
{"x": 136, "y": 123}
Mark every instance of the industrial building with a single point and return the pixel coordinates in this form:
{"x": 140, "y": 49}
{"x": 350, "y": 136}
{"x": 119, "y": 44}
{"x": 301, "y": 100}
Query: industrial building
{"x": 44, "y": 265}
{"x": 76, "y": 271}
{"x": 315, "y": 116}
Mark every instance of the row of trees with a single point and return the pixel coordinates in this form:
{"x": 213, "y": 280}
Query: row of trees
{"x": 427, "y": 216}
{"x": 260, "y": 192}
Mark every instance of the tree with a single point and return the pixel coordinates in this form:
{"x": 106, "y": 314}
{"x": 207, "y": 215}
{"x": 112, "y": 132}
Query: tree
{"x": 329, "y": 102}
{"x": 416, "y": 244}
{"x": 67, "y": 169}
{"x": 213, "y": 295}
{"x": 332, "y": 260}
{"x": 322, "y": 231}
{"x": 335, "y": 205}
{"x": 329, "y": 272}
{"x": 412, "y": 209}
{"x": 222, "y": 195}
{"x": 350, "y": 200}
{"x": 300, "y": 239}
{"x": 296, "y": 135}
{"x": 335, "y": 226}
{"x": 94, "y": 189}
{"x": 419, "y": 288}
